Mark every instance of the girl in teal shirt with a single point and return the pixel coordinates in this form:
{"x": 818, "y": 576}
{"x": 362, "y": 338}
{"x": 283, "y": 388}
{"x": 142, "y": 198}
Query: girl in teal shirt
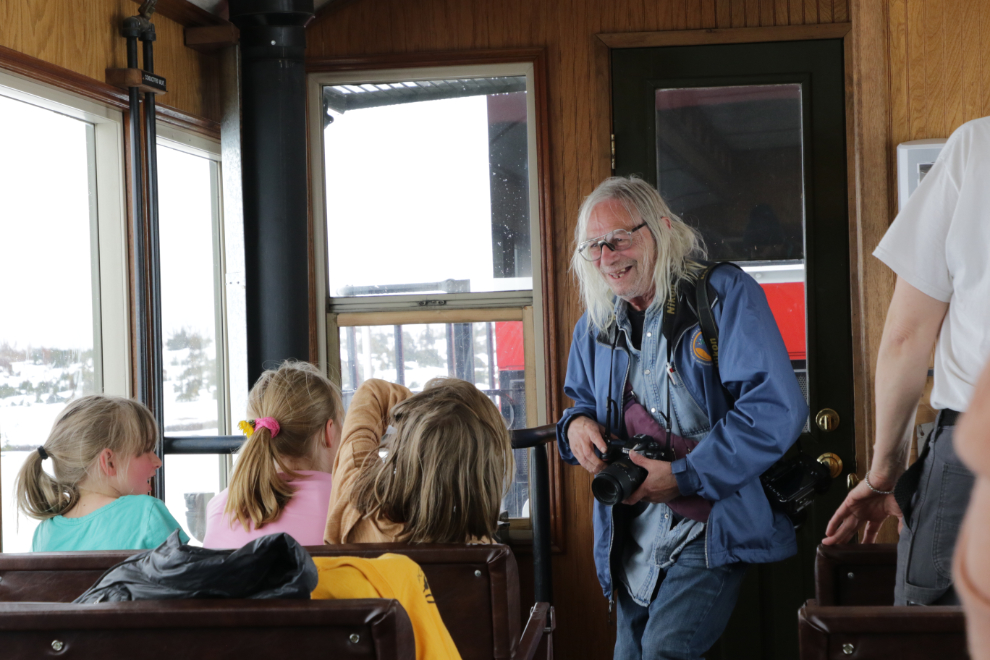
{"x": 102, "y": 450}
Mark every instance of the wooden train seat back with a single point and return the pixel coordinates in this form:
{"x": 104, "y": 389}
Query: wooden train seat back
{"x": 208, "y": 629}
{"x": 476, "y": 587}
{"x": 855, "y": 574}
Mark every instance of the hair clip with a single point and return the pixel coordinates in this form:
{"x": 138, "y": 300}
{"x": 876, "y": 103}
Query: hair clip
{"x": 246, "y": 427}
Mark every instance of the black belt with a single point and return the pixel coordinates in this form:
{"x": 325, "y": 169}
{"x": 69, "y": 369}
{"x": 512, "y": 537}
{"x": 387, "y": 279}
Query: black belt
{"x": 947, "y": 417}
{"x": 906, "y": 486}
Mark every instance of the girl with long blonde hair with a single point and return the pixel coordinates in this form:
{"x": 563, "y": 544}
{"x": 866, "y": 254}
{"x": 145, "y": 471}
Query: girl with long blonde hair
{"x": 282, "y": 480}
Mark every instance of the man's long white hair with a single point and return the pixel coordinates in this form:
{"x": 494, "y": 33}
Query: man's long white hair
{"x": 676, "y": 247}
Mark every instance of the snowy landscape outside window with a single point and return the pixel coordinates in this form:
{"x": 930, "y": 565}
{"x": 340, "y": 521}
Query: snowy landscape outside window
{"x": 432, "y": 258}
{"x": 50, "y": 340}
{"x": 192, "y": 328}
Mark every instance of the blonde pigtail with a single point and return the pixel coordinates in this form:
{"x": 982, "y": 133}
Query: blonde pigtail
{"x": 257, "y": 492}
{"x": 38, "y": 495}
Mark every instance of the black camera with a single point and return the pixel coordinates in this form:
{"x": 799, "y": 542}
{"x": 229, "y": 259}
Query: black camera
{"x": 791, "y": 484}
{"x": 622, "y": 477}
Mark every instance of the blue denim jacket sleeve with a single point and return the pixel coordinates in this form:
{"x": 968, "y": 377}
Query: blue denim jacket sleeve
{"x": 769, "y": 411}
{"x": 579, "y": 385}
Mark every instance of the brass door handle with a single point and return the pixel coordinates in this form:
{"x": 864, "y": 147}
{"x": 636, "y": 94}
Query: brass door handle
{"x": 852, "y": 481}
{"x": 827, "y": 419}
{"x": 832, "y": 462}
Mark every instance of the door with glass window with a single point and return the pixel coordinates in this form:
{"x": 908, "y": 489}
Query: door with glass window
{"x": 746, "y": 143}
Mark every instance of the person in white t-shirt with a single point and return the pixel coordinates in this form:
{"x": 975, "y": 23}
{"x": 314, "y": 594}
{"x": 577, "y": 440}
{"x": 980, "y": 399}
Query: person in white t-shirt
{"x": 938, "y": 246}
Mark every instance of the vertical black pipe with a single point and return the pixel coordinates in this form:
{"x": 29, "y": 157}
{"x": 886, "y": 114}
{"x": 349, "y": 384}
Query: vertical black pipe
{"x": 273, "y": 160}
{"x": 540, "y": 498}
{"x": 156, "y": 366}
{"x": 131, "y": 29}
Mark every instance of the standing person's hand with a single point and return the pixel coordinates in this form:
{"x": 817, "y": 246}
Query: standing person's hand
{"x": 583, "y": 435}
{"x": 863, "y": 505}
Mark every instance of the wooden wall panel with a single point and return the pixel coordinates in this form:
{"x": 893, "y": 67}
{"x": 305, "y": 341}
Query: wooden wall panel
{"x": 922, "y": 69}
{"x": 84, "y": 38}
{"x": 579, "y": 125}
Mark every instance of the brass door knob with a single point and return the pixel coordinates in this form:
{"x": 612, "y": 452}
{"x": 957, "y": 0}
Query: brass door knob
{"x": 832, "y": 462}
{"x": 827, "y": 419}
{"x": 852, "y": 481}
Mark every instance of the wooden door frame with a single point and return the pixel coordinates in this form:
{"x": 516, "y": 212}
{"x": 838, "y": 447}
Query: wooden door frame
{"x": 866, "y": 169}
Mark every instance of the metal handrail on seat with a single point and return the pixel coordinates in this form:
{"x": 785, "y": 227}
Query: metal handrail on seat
{"x": 539, "y": 477}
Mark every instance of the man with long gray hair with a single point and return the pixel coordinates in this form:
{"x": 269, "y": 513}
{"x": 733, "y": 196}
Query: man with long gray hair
{"x": 679, "y": 545}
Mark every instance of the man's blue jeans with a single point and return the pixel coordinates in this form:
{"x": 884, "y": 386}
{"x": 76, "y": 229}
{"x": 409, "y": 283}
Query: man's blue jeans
{"x": 688, "y": 613}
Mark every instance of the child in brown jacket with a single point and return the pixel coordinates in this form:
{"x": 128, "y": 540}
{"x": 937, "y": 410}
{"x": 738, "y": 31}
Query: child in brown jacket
{"x": 448, "y": 464}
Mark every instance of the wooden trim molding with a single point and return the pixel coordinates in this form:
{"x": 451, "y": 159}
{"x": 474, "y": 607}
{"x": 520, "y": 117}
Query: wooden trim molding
{"x": 873, "y": 177}
{"x": 427, "y": 59}
{"x": 537, "y": 57}
{"x": 186, "y": 13}
{"x": 46, "y": 73}
{"x": 725, "y": 35}
{"x": 333, "y": 5}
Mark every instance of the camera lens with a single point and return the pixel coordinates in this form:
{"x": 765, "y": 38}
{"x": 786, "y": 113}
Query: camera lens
{"x": 606, "y": 488}
{"x": 617, "y": 481}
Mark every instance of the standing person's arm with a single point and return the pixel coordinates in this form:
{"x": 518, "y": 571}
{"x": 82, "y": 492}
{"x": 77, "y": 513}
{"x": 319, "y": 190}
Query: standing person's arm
{"x": 909, "y": 334}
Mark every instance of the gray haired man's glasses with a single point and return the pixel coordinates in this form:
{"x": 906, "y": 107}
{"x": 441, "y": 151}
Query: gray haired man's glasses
{"x": 616, "y": 241}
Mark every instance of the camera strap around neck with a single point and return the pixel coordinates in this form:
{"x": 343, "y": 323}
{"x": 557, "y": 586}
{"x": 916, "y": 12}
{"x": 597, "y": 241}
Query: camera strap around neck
{"x": 667, "y": 329}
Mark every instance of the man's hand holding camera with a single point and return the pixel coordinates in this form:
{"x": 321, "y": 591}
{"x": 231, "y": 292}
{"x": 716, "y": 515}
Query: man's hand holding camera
{"x": 584, "y": 435}
{"x": 660, "y": 485}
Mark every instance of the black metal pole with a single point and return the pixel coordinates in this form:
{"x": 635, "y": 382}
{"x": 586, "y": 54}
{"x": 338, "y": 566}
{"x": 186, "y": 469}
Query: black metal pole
{"x": 131, "y": 30}
{"x": 540, "y": 497}
{"x": 157, "y": 370}
{"x": 274, "y": 170}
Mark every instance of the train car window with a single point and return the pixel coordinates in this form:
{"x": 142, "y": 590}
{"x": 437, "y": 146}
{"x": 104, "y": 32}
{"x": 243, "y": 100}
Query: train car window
{"x": 193, "y": 324}
{"x": 63, "y": 324}
{"x": 431, "y": 234}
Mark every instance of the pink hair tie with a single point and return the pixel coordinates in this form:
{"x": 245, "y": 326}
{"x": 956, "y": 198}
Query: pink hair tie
{"x": 267, "y": 423}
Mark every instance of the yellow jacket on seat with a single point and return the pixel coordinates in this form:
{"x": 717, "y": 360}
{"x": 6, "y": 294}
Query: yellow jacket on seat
{"x": 389, "y": 576}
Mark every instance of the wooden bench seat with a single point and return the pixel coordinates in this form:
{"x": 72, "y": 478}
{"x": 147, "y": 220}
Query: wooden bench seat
{"x": 476, "y": 587}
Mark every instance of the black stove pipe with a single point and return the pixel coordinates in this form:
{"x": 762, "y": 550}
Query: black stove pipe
{"x": 274, "y": 170}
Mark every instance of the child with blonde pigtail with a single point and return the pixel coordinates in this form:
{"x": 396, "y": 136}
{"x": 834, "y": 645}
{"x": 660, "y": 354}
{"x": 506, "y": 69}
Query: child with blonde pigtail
{"x": 102, "y": 453}
{"x": 282, "y": 480}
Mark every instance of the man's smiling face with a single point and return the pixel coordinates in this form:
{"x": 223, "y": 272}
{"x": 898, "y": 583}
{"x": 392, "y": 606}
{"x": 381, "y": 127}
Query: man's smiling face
{"x": 628, "y": 273}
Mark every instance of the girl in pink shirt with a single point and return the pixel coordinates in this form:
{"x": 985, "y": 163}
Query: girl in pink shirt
{"x": 282, "y": 479}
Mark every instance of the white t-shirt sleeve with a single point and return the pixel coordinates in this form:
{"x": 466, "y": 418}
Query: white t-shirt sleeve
{"x": 914, "y": 246}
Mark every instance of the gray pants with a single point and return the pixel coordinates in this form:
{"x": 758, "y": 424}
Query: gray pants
{"x": 928, "y": 538}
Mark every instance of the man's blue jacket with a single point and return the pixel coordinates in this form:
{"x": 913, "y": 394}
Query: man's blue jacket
{"x": 768, "y": 415}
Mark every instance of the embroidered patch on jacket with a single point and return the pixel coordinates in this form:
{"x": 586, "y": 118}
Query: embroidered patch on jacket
{"x": 699, "y": 348}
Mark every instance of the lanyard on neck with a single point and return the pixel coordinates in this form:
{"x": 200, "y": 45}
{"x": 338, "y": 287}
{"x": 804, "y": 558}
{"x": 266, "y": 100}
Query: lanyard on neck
{"x": 669, "y": 311}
